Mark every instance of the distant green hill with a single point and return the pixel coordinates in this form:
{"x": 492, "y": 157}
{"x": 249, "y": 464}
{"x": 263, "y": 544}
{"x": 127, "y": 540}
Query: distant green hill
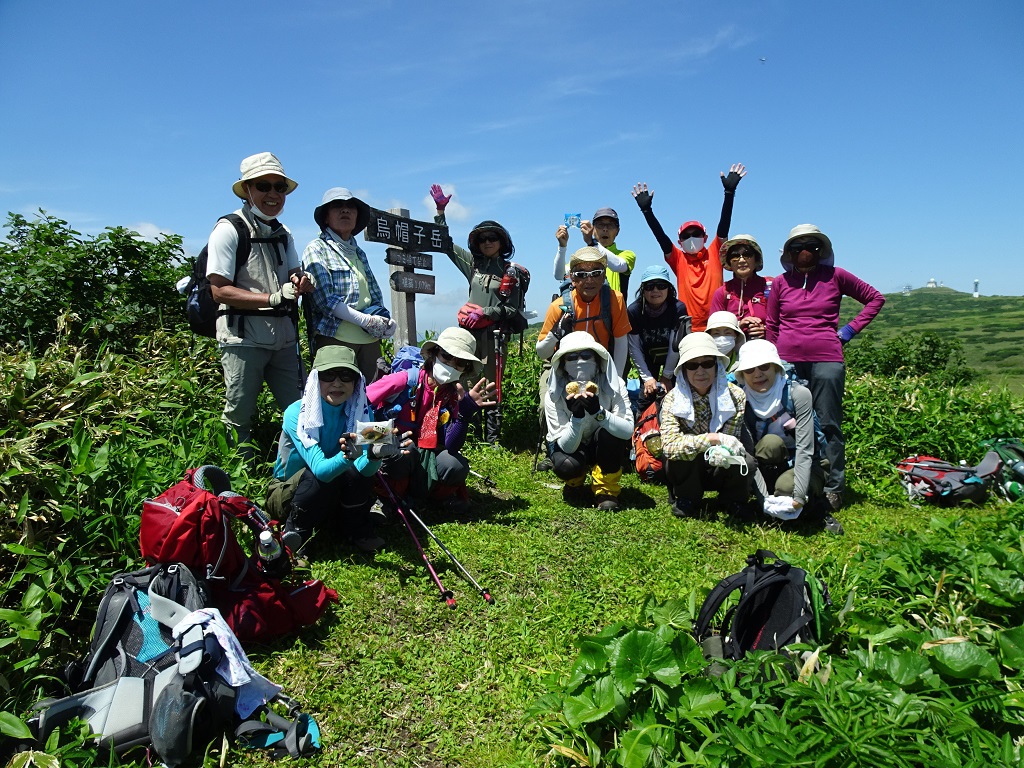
{"x": 991, "y": 328}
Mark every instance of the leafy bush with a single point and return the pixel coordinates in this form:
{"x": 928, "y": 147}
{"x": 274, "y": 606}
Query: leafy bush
{"x": 113, "y": 287}
{"x": 939, "y": 358}
{"x": 930, "y": 672}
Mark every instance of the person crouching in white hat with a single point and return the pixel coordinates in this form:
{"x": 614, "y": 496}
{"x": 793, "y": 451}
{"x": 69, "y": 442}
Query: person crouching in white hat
{"x": 701, "y": 430}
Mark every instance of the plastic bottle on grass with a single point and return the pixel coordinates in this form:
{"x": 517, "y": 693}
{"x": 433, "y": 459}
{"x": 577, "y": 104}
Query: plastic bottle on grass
{"x": 273, "y": 561}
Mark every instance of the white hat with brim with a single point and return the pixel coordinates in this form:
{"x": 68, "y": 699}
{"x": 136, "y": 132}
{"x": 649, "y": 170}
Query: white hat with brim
{"x": 757, "y": 352}
{"x": 255, "y": 166}
{"x": 577, "y": 341}
{"x": 801, "y": 232}
{"x": 338, "y": 194}
{"x": 696, "y": 345}
{"x": 457, "y": 342}
{"x": 724, "y": 319}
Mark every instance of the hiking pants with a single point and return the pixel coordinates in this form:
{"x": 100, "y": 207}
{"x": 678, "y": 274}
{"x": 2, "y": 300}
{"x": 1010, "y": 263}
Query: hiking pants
{"x": 245, "y": 370}
{"x": 342, "y": 505}
{"x": 773, "y": 464}
{"x": 691, "y": 479}
{"x": 604, "y": 450}
{"x": 827, "y": 382}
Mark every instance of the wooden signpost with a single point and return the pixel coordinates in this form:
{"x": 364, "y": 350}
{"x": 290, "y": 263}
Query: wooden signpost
{"x": 408, "y": 240}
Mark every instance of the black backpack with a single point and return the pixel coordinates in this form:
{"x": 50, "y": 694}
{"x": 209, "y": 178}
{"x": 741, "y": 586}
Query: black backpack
{"x": 138, "y": 686}
{"x": 777, "y": 605}
{"x": 200, "y": 308}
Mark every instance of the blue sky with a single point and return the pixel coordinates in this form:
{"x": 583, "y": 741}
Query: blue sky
{"x": 894, "y": 126}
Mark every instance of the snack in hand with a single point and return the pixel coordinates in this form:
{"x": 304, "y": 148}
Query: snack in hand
{"x": 374, "y": 431}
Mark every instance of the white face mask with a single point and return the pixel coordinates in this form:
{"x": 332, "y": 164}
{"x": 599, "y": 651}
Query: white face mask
{"x": 442, "y": 373}
{"x": 725, "y": 344}
{"x": 581, "y": 370}
{"x": 693, "y": 244}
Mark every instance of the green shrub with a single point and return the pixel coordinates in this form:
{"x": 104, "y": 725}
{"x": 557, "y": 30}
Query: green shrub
{"x": 937, "y": 357}
{"x": 114, "y": 287}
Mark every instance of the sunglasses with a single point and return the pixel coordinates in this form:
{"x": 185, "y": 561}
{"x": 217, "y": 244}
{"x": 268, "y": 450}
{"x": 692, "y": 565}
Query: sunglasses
{"x": 454, "y": 362}
{"x": 812, "y": 246}
{"x": 762, "y": 367}
{"x": 281, "y": 187}
{"x": 690, "y": 233}
{"x": 658, "y": 286}
{"x": 707, "y": 365}
{"x": 488, "y": 237}
{"x": 338, "y": 374}
{"x": 572, "y": 357}
{"x": 594, "y": 273}
{"x": 744, "y": 254}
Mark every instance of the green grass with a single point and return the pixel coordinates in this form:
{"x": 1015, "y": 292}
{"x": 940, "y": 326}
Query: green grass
{"x": 395, "y": 678}
{"x": 991, "y": 328}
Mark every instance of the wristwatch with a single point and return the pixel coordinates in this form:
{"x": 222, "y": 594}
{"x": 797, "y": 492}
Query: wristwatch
{"x": 600, "y": 415}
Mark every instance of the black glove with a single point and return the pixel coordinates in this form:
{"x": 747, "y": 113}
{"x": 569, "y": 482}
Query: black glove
{"x": 564, "y": 325}
{"x": 730, "y": 182}
{"x": 351, "y": 450}
{"x": 644, "y": 199}
{"x": 381, "y": 451}
{"x": 591, "y": 404}
{"x": 576, "y": 406}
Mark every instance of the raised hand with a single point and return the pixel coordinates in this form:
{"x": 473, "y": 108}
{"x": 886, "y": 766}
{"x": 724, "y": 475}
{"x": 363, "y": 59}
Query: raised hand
{"x": 643, "y": 196}
{"x": 482, "y": 393}
{"x": 440, "y": 198}
{"x": 562, "y": 235}
{"x": 587, "y": 230}
{"x": 736, "y": 172}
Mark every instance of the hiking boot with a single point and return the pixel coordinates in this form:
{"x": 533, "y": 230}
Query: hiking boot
{"x": 545, "y": 465}
{"x": 684, "y": 508}
{"x": 577, "y": 496}
{"x": 832, "y": 525}
{"x": 835, "y": 500}
{"x": 607, "y": 503}
{"x": 369, "y": 544}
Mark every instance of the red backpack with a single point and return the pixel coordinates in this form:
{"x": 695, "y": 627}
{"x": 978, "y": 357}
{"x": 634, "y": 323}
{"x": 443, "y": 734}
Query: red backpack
{"x": 190, "y": 524}
{"x": 647, "y": 445}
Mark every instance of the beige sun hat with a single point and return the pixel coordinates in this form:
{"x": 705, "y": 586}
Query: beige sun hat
{"x": 723, "y": 252}
{"x": 457, "y": 342}
{"x": 757, "y": 352}
{"x": 696, "y": 345}
{"x": 801, "y": 232}
{"x": 724, "y": 319}
{"x": 587, "y": 254}
{"x": 577, "y": 341}
{"x": 260, "y": 164}
{"x": 335, "y": 356}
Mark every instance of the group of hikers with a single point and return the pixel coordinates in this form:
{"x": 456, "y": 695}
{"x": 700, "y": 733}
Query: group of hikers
{"x": 746, "y": 375}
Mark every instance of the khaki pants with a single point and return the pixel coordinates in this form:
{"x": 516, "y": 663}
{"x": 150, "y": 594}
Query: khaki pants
{"x": 245, "y": 370}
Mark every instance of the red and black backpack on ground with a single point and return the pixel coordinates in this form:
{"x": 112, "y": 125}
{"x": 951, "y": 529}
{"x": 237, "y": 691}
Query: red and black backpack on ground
{"x": 647, "y": 445}
{"x": 192, "y": 523}
{"x": 926, "y": 478}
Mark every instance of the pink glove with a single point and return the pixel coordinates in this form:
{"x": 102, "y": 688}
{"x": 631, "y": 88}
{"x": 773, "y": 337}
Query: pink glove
{"x": 440, "y": 199}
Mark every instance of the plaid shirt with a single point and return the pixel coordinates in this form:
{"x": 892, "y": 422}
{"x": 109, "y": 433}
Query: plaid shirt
{"x": 335, "y": 280}
{"x": 680, "y": 441}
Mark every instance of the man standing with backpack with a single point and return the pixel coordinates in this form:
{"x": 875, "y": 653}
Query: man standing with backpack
{"x": 256, "y": 288}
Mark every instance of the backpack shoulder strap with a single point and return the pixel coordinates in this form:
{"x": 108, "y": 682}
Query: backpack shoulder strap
{"x": 713, "y": 602}
{"x": 606, "y": 313}
{"x": 244, "y": 247}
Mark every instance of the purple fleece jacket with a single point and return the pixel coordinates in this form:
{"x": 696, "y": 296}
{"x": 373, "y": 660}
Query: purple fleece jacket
{"x": 803, "y": 312}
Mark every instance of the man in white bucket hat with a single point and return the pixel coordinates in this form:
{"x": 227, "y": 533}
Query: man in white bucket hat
{"x": 255, "y": 276}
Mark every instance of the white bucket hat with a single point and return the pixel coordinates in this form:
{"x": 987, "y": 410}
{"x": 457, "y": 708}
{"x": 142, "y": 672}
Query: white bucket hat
{"x": 260, "y": 164}
{"x": 757, "y": 352}
{"x": 724, "y": 319}
{"x": 457, "y": 342}
{"x": 336, "y": 194}
{"x": 696, "y": 345}
{"x": 802, "y": 232}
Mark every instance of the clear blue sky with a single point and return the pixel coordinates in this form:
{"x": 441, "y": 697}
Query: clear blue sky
{"x": 894, "y": 126}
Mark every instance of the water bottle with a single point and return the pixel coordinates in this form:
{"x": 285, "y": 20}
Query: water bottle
{"x": 271, "y": 554}
{"x": 1017, "y": 469}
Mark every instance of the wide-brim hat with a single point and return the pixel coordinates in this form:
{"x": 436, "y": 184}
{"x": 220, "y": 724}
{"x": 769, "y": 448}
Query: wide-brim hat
{"x": 255, "y": 166}
{"x": 335, "y": 356}
{"x": 696, "y": 345}
{"x": 587, "y": 254}
{"x": 457, "y": 342}
{"x": 336, "y": 194}
{"x": 723, "y": 253}
{"x": 757, "y": 352}
{"x": 724, "y": 319}
{"x": 656, "y": 272}
{"x": 507, "y": 249}
{"x": 800, "y": 231}
{"x": 577, "y": 341}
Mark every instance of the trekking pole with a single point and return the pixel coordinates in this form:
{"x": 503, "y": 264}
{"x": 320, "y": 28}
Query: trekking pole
{"x": 483, "y": 592}
{"x": 446, "y": 594}
{"x": 487, "y": 480}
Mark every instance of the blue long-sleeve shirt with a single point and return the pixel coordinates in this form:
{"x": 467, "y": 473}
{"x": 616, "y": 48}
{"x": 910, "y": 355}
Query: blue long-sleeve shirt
{"x": 325, "y": 459}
